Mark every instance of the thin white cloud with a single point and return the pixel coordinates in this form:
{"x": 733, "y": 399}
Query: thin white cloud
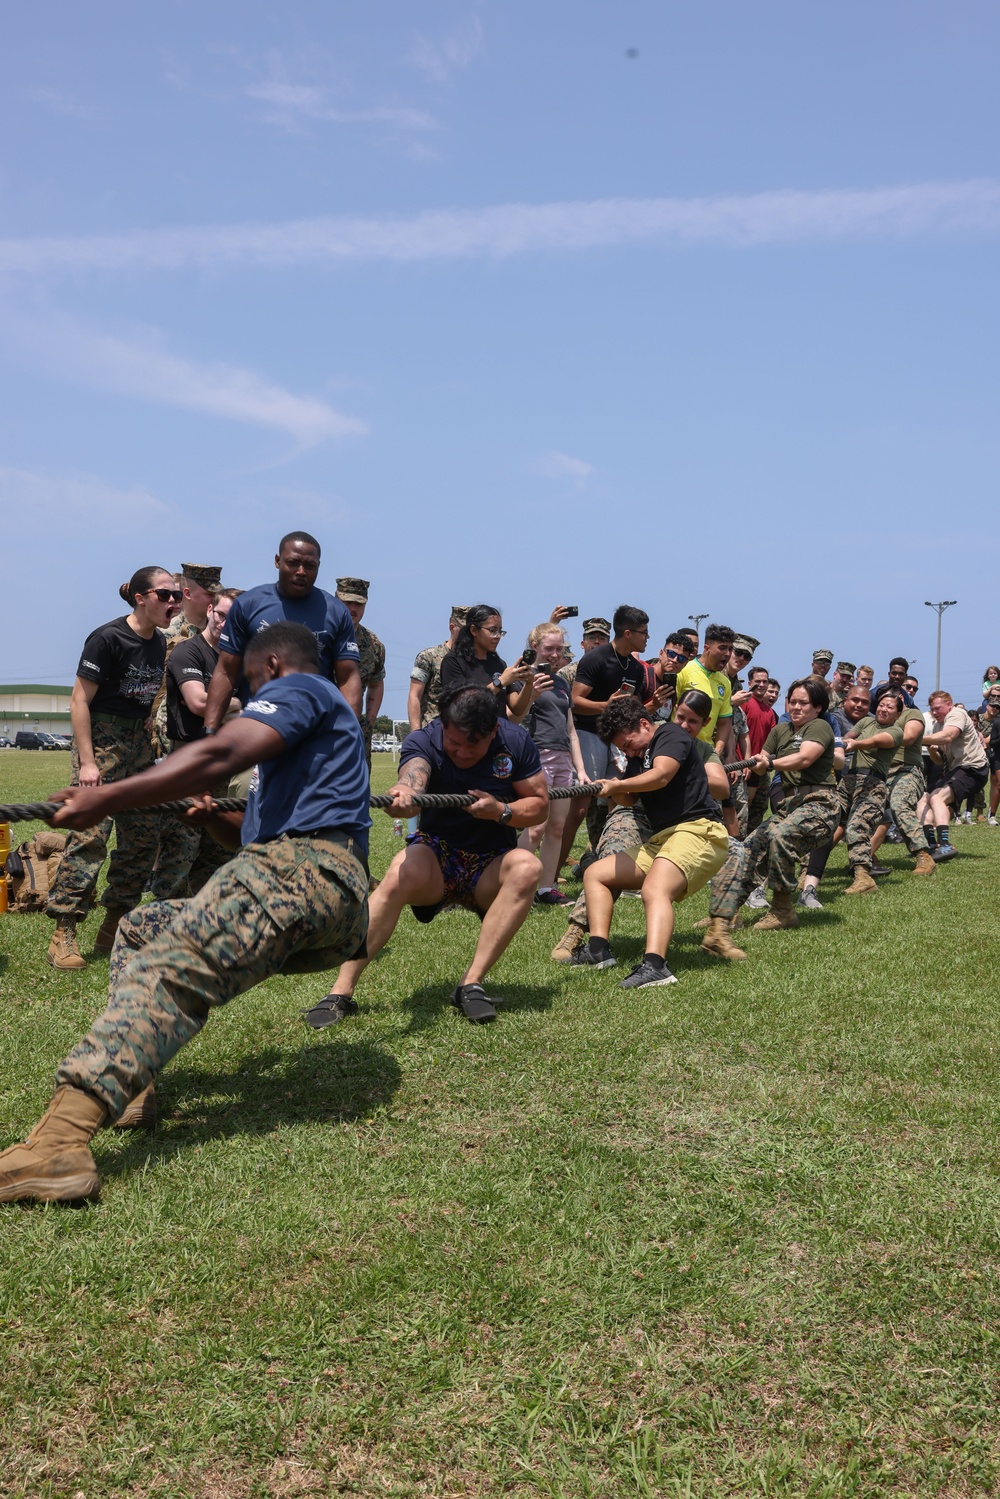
{"x": 291, "y": 103}
{"x": 33, "y": 501}
{"x": 140, "y": 366}
{"x": 555, "y": 465}
{"x": 956, "y": 209}
{"x": 438, "y": 60}
{"x": 62, "y": 104}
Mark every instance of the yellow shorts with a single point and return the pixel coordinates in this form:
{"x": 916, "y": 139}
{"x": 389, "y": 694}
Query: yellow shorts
{"x": 698, "y": 848}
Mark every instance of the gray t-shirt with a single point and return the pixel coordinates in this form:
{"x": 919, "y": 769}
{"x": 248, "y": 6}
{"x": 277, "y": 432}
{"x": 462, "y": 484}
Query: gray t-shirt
{"x": 967, "y": 749}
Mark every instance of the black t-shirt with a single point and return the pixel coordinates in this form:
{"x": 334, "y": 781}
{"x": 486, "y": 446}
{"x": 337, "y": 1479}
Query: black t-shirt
{"x": 546, "y": 721}
{"x": 687, "y": 796}
{"x": 456, "y": 671}
{"x": 602, "y": 671}
{"x": 510, "y": 757}
{"x": 128, "y": 669}
{"x": 191, "y": 661}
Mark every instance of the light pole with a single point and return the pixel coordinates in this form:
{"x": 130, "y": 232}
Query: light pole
{"x": 940, "y": 607}
{"x": 696, "y": 620}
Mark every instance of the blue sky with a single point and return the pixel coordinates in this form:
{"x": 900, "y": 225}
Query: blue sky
{"x": 502, "y": 312}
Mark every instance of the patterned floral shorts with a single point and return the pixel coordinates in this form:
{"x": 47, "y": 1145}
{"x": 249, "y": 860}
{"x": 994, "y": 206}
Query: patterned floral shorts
{"x": 461, "y": 871}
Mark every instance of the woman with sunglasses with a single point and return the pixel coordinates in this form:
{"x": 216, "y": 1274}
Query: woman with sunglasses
{"x": 119, "y": 675}
{"x": 473, "y": 662}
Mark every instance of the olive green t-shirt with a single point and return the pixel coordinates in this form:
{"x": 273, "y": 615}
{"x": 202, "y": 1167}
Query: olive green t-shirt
{"x": 909, "y": 754}
{"x": 872, "y": 759}
{"x": 785, "y": 739}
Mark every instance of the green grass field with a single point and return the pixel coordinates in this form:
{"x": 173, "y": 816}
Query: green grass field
{"x": 734, "y": 1237}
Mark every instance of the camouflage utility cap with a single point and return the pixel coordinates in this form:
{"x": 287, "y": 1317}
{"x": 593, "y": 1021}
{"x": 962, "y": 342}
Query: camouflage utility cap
{"x": 846, "y": 668}
{"x": 353, "y": 590}
{"x": 209, "y": 578}
{"x": 826, "y": 656}
{"x": 597, "y": 626}
{"x": 745, "y": 643}
{"x": 459, "y": 611}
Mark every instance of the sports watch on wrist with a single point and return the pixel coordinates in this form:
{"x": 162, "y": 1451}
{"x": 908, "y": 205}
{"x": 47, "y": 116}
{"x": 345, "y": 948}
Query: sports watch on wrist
{"x": 506, "y": 813}
{"x": 497, "y": 680}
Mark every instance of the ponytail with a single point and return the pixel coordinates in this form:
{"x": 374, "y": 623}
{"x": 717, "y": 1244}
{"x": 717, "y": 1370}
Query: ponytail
{"x": 140, "y": 582}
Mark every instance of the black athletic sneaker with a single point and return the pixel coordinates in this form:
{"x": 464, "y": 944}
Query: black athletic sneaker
{"x": 330, "y": 1011}
{"x": 878, "y": 870}
{"x": 584, "y": 958}
{"x": 645, "y": 976}
{"x": 942, "y": 852}
{"x": 471, "y": 999}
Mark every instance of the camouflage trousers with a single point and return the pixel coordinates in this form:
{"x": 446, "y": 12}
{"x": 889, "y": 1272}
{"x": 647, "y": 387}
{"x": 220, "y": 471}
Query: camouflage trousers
{"x": 804, "y": 821}
{"x": 738, "y": 792}
{"x": 188, "y": 856}
{"x": 906, "y": 787}
{"x": 625, "y": 828}
{"x": 865, "y": 805}
{"x": 758, "y": 797}
{"x": 121, "y": 748}
{"x": 295, "y": 904}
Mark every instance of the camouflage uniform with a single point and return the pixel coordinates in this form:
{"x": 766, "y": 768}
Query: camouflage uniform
{"x": 863, "y": 797}
{"x": 293, "y": 903}
{"x": 757, "y": 802}
{"x": 905, "y": 788}
{"x": 626, "y": 828}
{"x": 371, "y": 661}
{"x": 738, "y": 787}
{"x": 122, "y": 748}
{"x": 806, "y": 819}
{"x": 427, "y": 669}
{"x": 568, "y": 673}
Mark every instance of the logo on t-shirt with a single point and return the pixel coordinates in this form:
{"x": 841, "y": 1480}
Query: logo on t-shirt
{"x": 721, "y": 690}
{"x": 261, "y": 707}
{"x": 503, "y": 767}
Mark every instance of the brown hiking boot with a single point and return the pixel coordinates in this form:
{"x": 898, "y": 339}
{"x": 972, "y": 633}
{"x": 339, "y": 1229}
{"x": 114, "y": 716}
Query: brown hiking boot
{"x": 716, "y": 940}
{"x": 140, "y": 1113}
{"x": 703, "y": 924}
{"x": 63, "y": 952}
{"x": 570, "y": 942}
{"x": 105, "y": 939}
{"x": 862, "y": 883}
{"x": 780, "y": 916}
{"x": 54, "y": 1164}
{"x": 925, "y": 864}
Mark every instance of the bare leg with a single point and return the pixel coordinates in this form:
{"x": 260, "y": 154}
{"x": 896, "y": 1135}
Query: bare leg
{"x": 412, "y": 879}
{"x": 664, "y": 884}
{"x": 994, "y": 792}
{"x": 550, "y": 852}
{"x": 600, "y": 882}
{"x": 505, "y": 892}
{"x": 577, "y": 812}
{"x": 879, "y": 837}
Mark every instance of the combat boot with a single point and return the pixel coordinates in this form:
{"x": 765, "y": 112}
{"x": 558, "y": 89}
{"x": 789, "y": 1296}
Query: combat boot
{"x": 572, "y": 939}
{"x": 105, "y": 939}
{"x": 55, "y": 1164}
{"x": 716, "y": 940}
{"x": 63, "y": 952}
{"x": 781, "y": 914}
{"x": 924, "y": 864}
{"x": 140, "y": 1113}
{"x": 862, "y": 883}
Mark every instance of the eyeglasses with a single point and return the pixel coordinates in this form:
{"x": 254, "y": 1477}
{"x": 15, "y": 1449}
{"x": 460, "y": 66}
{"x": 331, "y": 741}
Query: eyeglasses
{"x": 165, "y": 594}
{"x": 489, "y": 630}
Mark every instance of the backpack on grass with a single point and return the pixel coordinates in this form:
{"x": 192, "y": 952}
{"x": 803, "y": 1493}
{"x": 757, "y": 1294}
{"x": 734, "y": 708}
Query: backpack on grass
{"x": 31, "y": 870}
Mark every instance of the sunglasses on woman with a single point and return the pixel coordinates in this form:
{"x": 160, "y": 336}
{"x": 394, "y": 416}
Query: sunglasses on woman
{"x": 163, "y": 594}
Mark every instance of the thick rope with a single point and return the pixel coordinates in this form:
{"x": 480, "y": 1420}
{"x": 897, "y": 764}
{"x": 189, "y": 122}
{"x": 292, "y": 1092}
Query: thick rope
{"x": 45, "y": 811}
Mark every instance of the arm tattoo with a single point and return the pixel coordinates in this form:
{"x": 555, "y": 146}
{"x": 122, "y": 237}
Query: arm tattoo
{"x": 415, "y": 774}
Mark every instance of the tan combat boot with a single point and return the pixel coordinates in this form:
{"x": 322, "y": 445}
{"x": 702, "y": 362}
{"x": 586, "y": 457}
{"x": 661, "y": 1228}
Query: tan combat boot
{"x": 781, "y": 914}
{"x": 570, "y": 942}
{"x": 105, "y": 939}
{"x": 862, "y": 883}
{"x": 716, "y": 940}
{"x": 63, "y": 952}
{"x": 140, "y": 1113}
{"x": 54, "y": 1164}
{"x": 925, "y": 864}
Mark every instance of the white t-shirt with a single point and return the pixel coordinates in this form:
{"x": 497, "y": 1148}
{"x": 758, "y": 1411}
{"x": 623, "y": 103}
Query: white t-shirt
{"x": 967, "y": 749}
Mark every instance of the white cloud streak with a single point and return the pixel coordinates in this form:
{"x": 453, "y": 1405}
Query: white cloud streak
{"x": 34, "y": 502}
{"x": 437, "y": 60}
{"x": 141, "y": 367}
{"x": 291, "y": 103}
{"x": 955, "y": 209}
{"x": 555, "y": 465}
{"x": 62, "y": 104}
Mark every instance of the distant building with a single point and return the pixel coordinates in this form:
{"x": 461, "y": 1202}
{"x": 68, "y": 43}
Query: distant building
{"x": 27, "y": 705}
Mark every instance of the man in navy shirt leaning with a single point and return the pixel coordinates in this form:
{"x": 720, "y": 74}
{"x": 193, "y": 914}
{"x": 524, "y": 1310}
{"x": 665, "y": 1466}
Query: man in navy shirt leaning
{"x": 295, "y": 893}
{"x": 296, "y": 598}
{"x": 465, "y": 856}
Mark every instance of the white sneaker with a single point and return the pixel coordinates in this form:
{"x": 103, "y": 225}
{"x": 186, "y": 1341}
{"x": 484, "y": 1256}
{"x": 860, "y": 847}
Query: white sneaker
{"x": 810, "y": 900}
{"x": 991, "y": 822}
{"x": 757, "y": 900}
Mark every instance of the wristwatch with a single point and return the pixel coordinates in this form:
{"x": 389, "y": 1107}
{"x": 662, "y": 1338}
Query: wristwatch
{"x": 770, "y": 762}
{"x": 506, "y": 813}
{"x": 498, "y": 680}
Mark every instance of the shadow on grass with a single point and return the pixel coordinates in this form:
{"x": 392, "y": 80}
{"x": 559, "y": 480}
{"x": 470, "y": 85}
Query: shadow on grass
{"x": 427, "y": 1004}
{"x": 329, "y": 1084}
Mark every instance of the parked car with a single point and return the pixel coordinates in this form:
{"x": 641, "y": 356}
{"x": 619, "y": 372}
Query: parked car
{"x": 49, "y": 741}
{"x": 5, "y": 743}
{"x": 25, "y": 739}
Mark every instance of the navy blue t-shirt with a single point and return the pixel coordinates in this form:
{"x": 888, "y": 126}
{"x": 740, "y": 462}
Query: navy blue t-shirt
{"x": 320, "y": 779}
{"x": 320, "y": 612}
{"x": 511, "y": 757}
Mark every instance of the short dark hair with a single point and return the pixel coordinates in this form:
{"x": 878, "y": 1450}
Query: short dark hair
{"x": 699, "y": 702}
{"x": 755, "y": 671}
{"x": 897, "y": 697}
{"x": 815, "y": 690}
{"x": 620, "y": 717}
{"x": 471, "y": 710}
{"x": 899, "y": 661}
{"x": 689, "y": 631}
{"x": 296, "y": 645}
{"x": 302, "y": 536}
{"x": 678, "y": 637}
{"x": 720, "y": 635}
{"x": 628, "y": 617}
{"x": 773, "y": 682}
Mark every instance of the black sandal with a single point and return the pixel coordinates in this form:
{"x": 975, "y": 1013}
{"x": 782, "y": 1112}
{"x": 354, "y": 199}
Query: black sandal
{"x": 471, "y": 999}
{"x": 331, "y": 1010}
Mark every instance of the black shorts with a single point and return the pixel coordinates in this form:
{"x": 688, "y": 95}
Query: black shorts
{"x": 964, "y": 781}
{"x": 993, "y": 760}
